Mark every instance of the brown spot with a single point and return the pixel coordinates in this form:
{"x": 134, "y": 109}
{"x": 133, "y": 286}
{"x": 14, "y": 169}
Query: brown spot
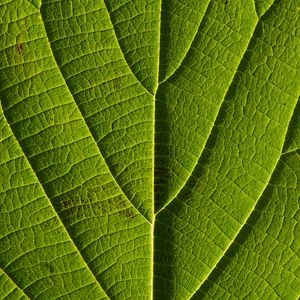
{"x": 20, "y": 48}
{"x": 116, "y": 84}
{"x": 128, "y": 213}
{"x": 66, "y": 203}
{"x": 120, "y": 202}
{"x": 49, "y": 267}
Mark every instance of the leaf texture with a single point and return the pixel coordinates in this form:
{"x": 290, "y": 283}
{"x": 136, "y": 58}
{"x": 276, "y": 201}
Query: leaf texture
{"x": 149, "y": 149}
{"x": 265, "y": 254}
{"x": 9, "y": 289}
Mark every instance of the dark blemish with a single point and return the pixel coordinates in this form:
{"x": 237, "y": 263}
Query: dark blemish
{"x": 81, "y": 203}
{"x": 66, "y": 203}
{"x": 116, "y": 84}
{"x": 77, "y": 212}
{"x": 20, "y": 48}
{"x": 226, "y": 2}
{"x": 90, "y": 201}
{"x": 120, "y": 202}
{"x": 123, "y": 209}
{"x": 128, "y": 213}
{"x": 101, "y": 207}
{"x": 73, "y": 205}
{"x": 49, "y": 267}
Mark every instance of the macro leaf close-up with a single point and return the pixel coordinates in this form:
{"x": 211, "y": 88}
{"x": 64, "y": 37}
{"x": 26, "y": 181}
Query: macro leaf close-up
{"x": 149, "y": 149}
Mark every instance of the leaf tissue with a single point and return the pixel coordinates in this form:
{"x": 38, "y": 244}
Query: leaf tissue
{"x": 149, "y": 149}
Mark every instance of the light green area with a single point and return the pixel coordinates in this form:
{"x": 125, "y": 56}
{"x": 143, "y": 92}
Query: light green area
{"x": 9, "y": 290}
{"x": 137, "y": 27}
{"x": 112, "y": 237}
{"x": 36, "y": 251}
{"x": 116, "y": 107}
{"x": 180, "y": 21}
{"x": 149, "y": 149}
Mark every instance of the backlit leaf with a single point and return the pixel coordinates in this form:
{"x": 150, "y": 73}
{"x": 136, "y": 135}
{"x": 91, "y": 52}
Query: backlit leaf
{"x": 149, "y": 149}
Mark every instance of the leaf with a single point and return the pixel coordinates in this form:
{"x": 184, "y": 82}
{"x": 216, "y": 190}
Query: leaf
{"x": 149, "y": 149}
{"x": 264, "y": 257}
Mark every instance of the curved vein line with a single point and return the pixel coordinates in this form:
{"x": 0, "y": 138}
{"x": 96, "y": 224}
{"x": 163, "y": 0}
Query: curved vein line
{"x": 122, "y": 53}
{"x": 290, "y": 151}
{"x": 256, "y": 6}
{"x": 217, "y": 114}
{"x": 190, "y": 46}
{"x": 197, "y": 31}
{"x": 242, "y": 226}
{"x": 33, "y": 4}
{"x": 210, "y": 131}
{"x": 253, "y": 208}
{"x": 15, "y": 283}
{"x": 51, "y": 205}
{"x": 87, "y": 126}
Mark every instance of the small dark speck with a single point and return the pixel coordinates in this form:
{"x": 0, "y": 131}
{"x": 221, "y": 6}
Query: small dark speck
{"x": 20, "y": 48}
{"x": 49, "y": 267}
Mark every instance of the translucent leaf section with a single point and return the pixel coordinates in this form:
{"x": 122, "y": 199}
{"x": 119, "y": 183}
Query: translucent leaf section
{"x": 263, "y": 262}
{"x": 35, "y": 250}
{"x": 188, "y": 102}
{"x": 262, "y": 6}
{"x": 149, "y": 149}
{"x": 137, "y": 27}
{"x": 9, "y": 290}
{"x": 117, "y": 108}
{"x": 193, "y": 232}
{"x": 111, "y": 235}
{"x": 180, "y": 21}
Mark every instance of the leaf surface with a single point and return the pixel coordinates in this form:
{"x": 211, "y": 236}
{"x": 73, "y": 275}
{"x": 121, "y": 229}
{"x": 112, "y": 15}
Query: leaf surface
{"x": 149, "y": 149}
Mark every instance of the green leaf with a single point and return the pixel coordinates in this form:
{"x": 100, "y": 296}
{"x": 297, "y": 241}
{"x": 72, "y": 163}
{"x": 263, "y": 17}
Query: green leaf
{"x": 149, "y": 149}
{"x": 8, "y": 289}
{"x": 263, "y": 261}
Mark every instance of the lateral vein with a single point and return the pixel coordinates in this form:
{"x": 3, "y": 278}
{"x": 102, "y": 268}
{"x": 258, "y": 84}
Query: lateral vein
{"x": 58, "y": 217}
{"x": 100, "y": 152}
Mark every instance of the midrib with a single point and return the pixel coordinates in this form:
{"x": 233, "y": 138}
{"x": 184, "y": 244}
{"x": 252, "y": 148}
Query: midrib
{"x": 153, "y": 154}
